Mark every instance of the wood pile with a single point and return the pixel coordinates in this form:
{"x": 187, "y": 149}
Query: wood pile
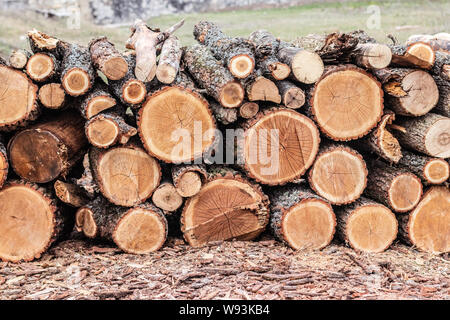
{"x": 225, "y": 139}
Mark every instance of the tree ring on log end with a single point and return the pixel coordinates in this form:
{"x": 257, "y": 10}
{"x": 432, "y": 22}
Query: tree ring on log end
{"x": 99, "y": 104}
{"x": 26, "y": 223}
{"x": 241, "y": 66}
{"x": 405, "y": 192}
{"x": 52, "y": 95}
{"x": 140, "y": 231}
{"x": 437, "y": 139}
{"x": 279, "y": 71}
{"x": 134, "y": 91}
{"x": 167, "y": 198}
{"x": 310, "y": 224}
{"x": 76, "y": 82}
{"x": 307, "y": 66}
{"x": 189, "y": 184}
{"x": 371, "y": 228}
{"x": 378, "y": 56}
{"x": 231, "y": 95}
{"x": 115, "y": 68}
{"x": 436, "y": 171}
{"x": 423, "y": 53}
{"x": 40, "y": 66}
{"x": 422, "y": 91}
{"x": 102, "y": 132}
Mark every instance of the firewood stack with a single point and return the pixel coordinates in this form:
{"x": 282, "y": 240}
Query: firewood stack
{"x": 332, "y": 134}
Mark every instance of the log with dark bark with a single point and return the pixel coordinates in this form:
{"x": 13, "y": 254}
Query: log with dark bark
{"x": 292, "y": 96}
{"x": 227, "y": 207}
{"x": 42, "y": 67}
{"x": 427, "y": 227}
{"x": 30, "y": 221}
{"x": 129, "y": 90}
{"x": 18, "y": 97}
{"x": 223, "y": 115}
{"x": 77, "y": 72}
{"x": 125, "y": 175}
{"x": 366, "y": 226}
{"x": 396, "y": 188}
{"x": 19, "y": 58}
{"x": 139, "y": 230}
{"x": 339, "y": 174}
{"x": 429, "y": 170}
{"x": 262, "y": 89}
{"x": 429, "y": 134}
{"x": 188, "y": 179}
{"x": 107, "y": 59}
{"x": 279, "y": 145}
{"x": 52, "y": 96}
{"x": 4, "y": 165}
{"x": 409, "y": 92}
{"x": 70, "y": 193}
{"x": 167, "y": 198}
{"x": 236, "y": 53}
{"x": 438, "y": 42}
{"x": 107, "y": 129}
{"x": 45, "y": 151}
{"x": 415, "y": 55}
{"x": 173, "y": 114}
{"x": 248, "y": 110}
{"x": 347, "y": 102}
{"x": 215, "y": 79}
{"x": 266, "y": 48}
{"x": 300, "y": 218}
{"x": 96, "y": 101}
{"x": 441, "y": 75}
{"x": 169, "y": 60}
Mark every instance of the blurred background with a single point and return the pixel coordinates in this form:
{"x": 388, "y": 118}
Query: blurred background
{"x": 81, "y": 20}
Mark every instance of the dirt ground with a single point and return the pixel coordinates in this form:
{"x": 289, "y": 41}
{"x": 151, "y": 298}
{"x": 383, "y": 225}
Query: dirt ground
{"x": 266, "y": 269}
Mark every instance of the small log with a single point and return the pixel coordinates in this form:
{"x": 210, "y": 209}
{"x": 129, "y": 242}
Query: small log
{"x": 223, "y": 115}
{"x": 415, "y": 55}
{"x": 173, "y": 114}
{"x": 300, "y": 218}
{"x": 441, "y": 75}
{"x": 279, "y": 145}
{"x": 138, "y": 230}
{"x": 396, "y": 188}
{"x": 438, "y": 42}
{"x": 236, "y": 53}
{"x": 188, "y": 179}
{"x": 4, "y": 165}
{"x": 371, "y": 55}
{"x": 42, "y": 67}
{"x": 409, "y": 92}
{"x": 96, "y": 101}
{"x": 347, "y": 103}
{"x": 248, "y": 110}
{"x": 166, "y": 197}
{"x": 41, "y": 42}
{"x": 45, "y": 151}
{"x": 52, "y": 96}
{"x": 70, "y": 194}
{"x": 107, "y": 129}
{"x": 107, "y": 59}
{"x": 226, "y": 208}
{"x": 169, "y": 60}
{"x": 29, "y": 221}
{"x": 19, "y": 58}
{"x": 429, "y": 134}
{"x": 292, "y": 96}
{"x": 339, "y": 174}
{"x": 262, "y": 89}
{"x": 429, "y": 170}
{"x": 18, "y": 97}
{"x": 125, "y": 175}
{"x": 216, "y": 80}
{"x": 129, "y": 90}
{"x": 266, "y": 48}
{"x": 366, "y": 226}
{"x": 427, "y": 226}
{"x": 77, "y": 75}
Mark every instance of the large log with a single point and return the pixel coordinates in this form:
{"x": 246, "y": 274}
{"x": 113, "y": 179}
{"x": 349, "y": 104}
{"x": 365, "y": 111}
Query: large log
{"x": 176, "y": 125}
{"x": 138, "y": 230}
{"x": 415, "y": 55}
{"x": 396, "y": 188}
{"x": 236, "y": 53}
{"x": 47, "y": 150}
{"x": 279, "y": 145}
{"x": 409, "y": 92}
{"x": 42, "y": 67}
{"x": 188, "y": 179}
{"x": 429, "y": 134}
{"x": 366, "y": 225}
{"x": 30, "y": 221}
{"x": 347, "y": 102}
{"x": 429, "y": 170}
{"x": 300, "y": 218}
{"x": 215, "y": 79}
{"x": 125, "y": 175}
{"x": 226, "y": 208}
{"x": 107, "y": 59}
{"x": 339, "y": 174}
{"x": 169, "y": 60}
{"x": 428, "y": 227}
{"x": 52, "y": 96}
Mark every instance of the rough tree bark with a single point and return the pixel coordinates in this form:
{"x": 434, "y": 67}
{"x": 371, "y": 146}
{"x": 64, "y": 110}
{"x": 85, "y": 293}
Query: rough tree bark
{"x": 441, "y": 75}
{"x": 107, "y": 59}
{"x": 70, "y": 194}
{"x": 415, "y": 55}
{"x": 223, "y": 115}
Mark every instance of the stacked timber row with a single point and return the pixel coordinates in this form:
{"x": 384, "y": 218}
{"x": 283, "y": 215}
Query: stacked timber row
{"x": 325, "y": 136}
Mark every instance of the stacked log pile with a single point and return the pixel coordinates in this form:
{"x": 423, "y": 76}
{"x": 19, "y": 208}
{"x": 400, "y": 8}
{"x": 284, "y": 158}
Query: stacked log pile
{"x": 334, "y": 134}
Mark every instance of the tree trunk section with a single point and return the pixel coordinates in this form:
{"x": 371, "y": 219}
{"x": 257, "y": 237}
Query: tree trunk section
{"x": 262, "y": 89}
{"x": 96, "y": 101}
{"x": 107, "y": 59}
{"x": 70, "y": 194}
{"x": 436, "y": 42}
{"x": 292, "y": 96}
{"x": 42, "y": 67}
{"x": 415, "y": 55}
{"x": 41, "y": 42}
{"x": 167, "y": 198}
{"x": 188, "y": 179}
{"x": 441, "y": 75}
{"x": 169, "y": 60}
{"x": 52, "y": 96}
{"x": 248, "y": 110}
{"x": 19, "y": 58}
{"x": 223, "y": 115}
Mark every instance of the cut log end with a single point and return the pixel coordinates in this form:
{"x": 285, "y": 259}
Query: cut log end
{"x": 436, "y": 171}
{"x": 405, "y": 192}
{"x": 418, "y": 54}
{"x": 115, "y": 68}
{"x": 437, "y": 139}
{"x": 52, "y": 95}
{"x": 70, "y": 194}
{"x": 371, "y": 228}
{"x": 248, "y": 110}
{"x": 374, "y": 55}
{"x": 307, "y": 67}
{"x": 263, "y": 89}
{"x": 166, "y": 73}
{"x": 167, "y": 198}
{"x": 309, "y": 224}
{"x": 134, "y": 91}
{"x": 189, "y": 184}
{"x": 76, "y": 82}
{"x": 18, "y": 59}
{"x": 148, "y": 237}
{"x": 102, "y": 132}
{"x": 40, "y": 67}
{"x": 231, "y": 95}
{"x": 29, "y": 231}
{"x": 294, "y": 98}
{"x": 241, "y": 66}
{"x": 84, "y": 222}
{"x": 99, "y": 104}
{"x": 279, "y": 71}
